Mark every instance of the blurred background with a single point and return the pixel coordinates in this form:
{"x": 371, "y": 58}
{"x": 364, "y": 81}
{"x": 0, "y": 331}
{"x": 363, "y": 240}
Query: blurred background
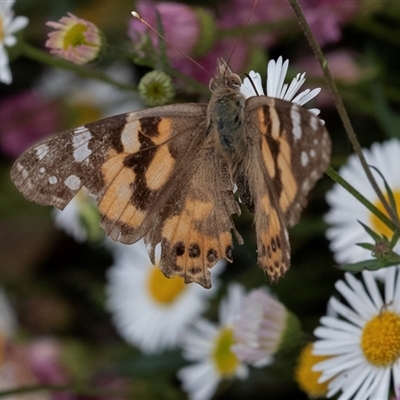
{"x": 57, "y": 325}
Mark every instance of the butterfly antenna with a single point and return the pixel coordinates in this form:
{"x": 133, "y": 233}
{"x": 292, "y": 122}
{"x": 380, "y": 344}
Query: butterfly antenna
{"x": 143, "y": 21}
{"x": 243, "y": 30}
{"x": 252, "y": 83}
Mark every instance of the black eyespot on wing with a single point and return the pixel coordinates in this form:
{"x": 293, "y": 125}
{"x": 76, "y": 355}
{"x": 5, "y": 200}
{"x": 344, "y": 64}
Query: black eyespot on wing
{"x": 194, "y": 250}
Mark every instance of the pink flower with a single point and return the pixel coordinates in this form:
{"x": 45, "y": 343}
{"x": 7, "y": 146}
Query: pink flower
{"x": 34, "y": 363}
{"x": 184, "y": 27}
{"x": 26, "y": 118}
{"x": 235, "y": 14}
{"x": 343, "y": 66}
{"x": 44, "y": 357}
{"x": 259, "y": 328}
{"x": 326, "y": 17}
{"x": 192, "y": 31}
{"x": 74, "y": 39}
{"x": 223, "y": 49}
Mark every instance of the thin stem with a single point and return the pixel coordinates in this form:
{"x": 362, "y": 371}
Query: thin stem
{"x": 42, "y": 57}
{"x": 340, "y": 106}
{"x": 34, "y": 388}
{"x": 363, "y": 200}
{"x": 64, "y": 388}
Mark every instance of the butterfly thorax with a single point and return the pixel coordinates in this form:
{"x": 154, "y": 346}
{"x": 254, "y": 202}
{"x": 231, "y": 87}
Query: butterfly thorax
{"x": 226, "y": 114}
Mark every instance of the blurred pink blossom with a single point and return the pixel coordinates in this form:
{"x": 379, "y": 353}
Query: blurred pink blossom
{"x": 182, "y": 29}
{"x": 25, "y": 118}
{"x": 44, "y": 357}
{"x": 224, "y": 48}
{"x": 34, "y": 363}
{"x": 180, "y": 22}
{"x": 236, "y": 13}
{"x": 343, "y": 66}
{"x": 326, "y": 17}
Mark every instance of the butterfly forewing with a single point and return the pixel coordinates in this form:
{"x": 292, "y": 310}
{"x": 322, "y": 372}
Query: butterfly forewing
{"x": 295, "y": 149}
{"x": 151, "y": 176}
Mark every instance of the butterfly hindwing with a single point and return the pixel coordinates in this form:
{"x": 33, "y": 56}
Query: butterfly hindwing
{"x": 291, "y": 150}
{"x": 195, "y": 224}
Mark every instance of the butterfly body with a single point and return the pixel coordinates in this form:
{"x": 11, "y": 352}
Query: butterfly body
{"x": 167, "y": 174}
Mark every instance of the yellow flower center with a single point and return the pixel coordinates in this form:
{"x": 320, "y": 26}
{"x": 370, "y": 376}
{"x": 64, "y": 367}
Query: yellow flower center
{"x": 164, "y": 290}
{"x": 75, "y": 36}
{"x": 225, "y": 359}
{"x": 306, "y": 378}
{"x": 380, "y": 339}
{"x": 378, "y": 225}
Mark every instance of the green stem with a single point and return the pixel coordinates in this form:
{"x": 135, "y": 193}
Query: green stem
{"x": 63, "y": 388}
{"x": 34, "y": 388}
{"x": 44, "y": 58}
{"x": 340, "y": 107}
{"x": 363, "y": 200}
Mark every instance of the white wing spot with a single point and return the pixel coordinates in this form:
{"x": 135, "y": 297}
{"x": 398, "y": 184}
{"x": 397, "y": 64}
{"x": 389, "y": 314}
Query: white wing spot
{"x": 314, "y": 123}
{"x": 296, "y": 122}
{"x": 53, "y": 180}
{"x": 73, "y": 182}
{"x": 41, "y": 170}
{"x": 306, "y": 185}
{"x": 312, "y": 153}
{"x": 316, "y": 141}
{"x": 80, "y": 144}
{"x": 41, "y": 151}
{"x": 23, "y": 171}
{"x": 304, "y": 158}
{"x": 314, "y": 175}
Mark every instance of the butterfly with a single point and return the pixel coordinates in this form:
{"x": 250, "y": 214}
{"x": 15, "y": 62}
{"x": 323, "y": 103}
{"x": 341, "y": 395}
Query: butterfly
{"x": 168, "y": 174}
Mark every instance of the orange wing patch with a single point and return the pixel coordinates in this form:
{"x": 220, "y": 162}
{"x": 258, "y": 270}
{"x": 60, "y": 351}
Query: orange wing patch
{"x": 193, "y": 251}
{"x": 285, "y": 166}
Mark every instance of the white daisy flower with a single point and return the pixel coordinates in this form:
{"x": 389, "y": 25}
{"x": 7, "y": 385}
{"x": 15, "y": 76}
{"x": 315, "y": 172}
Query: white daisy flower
{"x": 363, "y": 340}
{"x": 263, "y": 327}
{"x": 8, "y": 27}
{"x": 345, "y": 231}
{"x": 100, "y": 99}
{"x": 210, "y": 347}
{"x": 148, "y": 309}
{"x": 277, "y": 88}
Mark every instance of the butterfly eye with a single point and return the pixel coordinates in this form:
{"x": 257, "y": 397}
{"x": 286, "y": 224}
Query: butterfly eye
{"x": 233, "y": 81}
